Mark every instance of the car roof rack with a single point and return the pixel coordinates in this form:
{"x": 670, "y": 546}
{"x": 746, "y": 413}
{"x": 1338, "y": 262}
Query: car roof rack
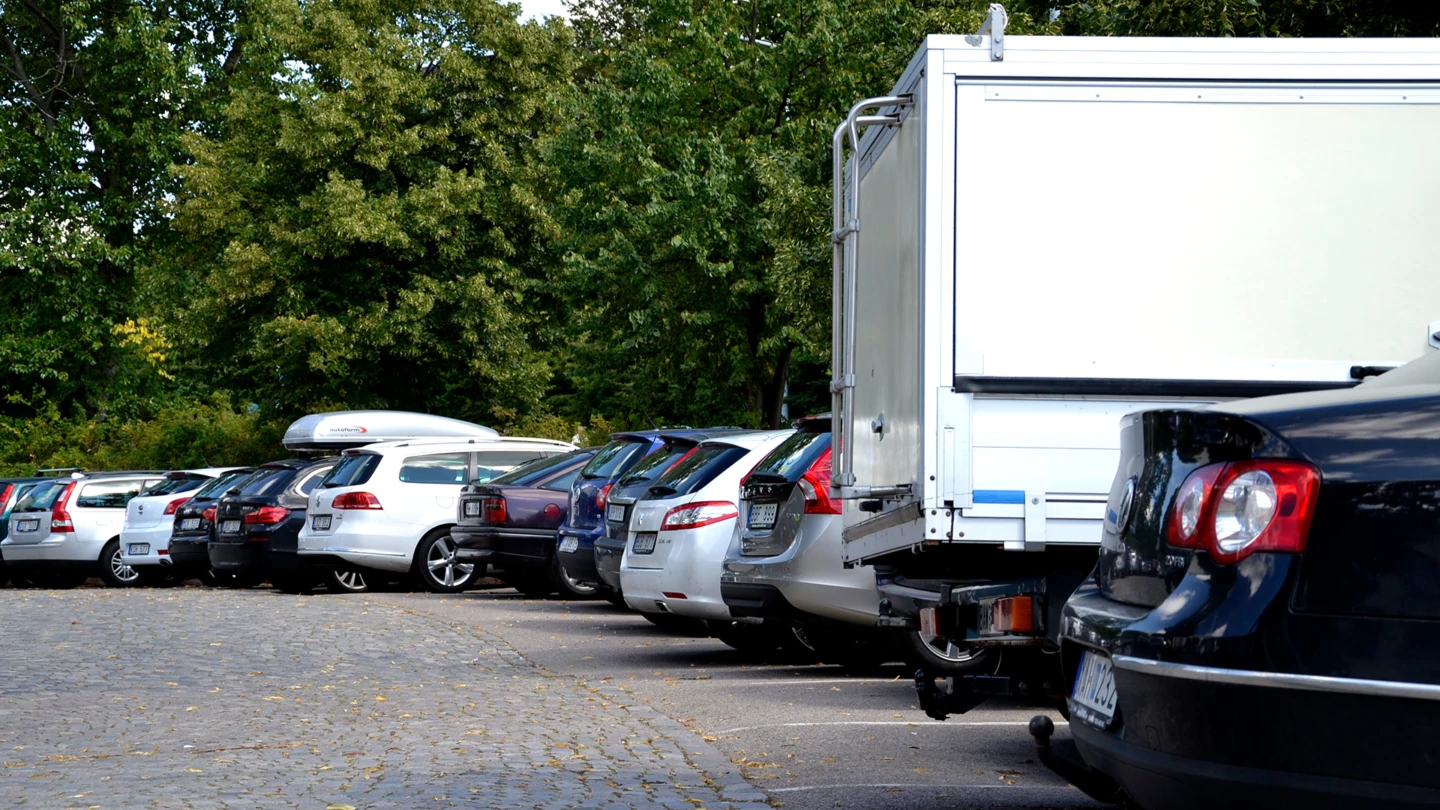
{"x": 56, "y": 472}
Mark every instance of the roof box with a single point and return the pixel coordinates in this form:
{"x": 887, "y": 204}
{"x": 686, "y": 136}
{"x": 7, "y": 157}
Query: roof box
{"x": 341, "y": 429}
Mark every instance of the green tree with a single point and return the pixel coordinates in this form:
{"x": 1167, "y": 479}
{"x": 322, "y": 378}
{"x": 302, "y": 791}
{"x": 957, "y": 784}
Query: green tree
{"x": 364, "y": 220}
{"x": 696, "y": 195}
{"x": 1294, "y": 18}
{"x": 94, "y": 97}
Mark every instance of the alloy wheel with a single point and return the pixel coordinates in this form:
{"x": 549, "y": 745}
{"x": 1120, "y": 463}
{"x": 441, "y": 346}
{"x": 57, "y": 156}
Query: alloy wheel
{"x": 949, "y": 650}
{"x": 444, "y": 569}
{"x": 122, "y": 572}
{"x": 351, "y": 580}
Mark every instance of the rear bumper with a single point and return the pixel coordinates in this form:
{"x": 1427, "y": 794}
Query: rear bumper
{"x": 507, "y": 548}
{"x": 57, "y": 548}
{"x": 190, "y": 552}
{"x": 580, "y": 563}
{"x": 156, "y": 537}
{"x": 245, "y": 557}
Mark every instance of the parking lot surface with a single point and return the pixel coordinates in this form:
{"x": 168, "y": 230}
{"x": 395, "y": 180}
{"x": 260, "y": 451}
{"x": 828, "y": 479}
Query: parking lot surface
{"x": 204, "y": 698}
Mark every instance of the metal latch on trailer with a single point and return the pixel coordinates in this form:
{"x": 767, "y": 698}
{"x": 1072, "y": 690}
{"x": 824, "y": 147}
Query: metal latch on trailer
{"x": 994, "y": 25}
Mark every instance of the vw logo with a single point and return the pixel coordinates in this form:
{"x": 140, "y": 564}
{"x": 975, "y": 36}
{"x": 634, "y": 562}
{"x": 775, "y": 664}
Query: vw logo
{"x": 1127, "y": 505}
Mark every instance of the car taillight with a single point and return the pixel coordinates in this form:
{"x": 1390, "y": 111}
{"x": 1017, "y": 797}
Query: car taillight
{"x": 173, "y": 505}
{"x": 209, "y": 515}
{"x": 60, "y": 520}
{"x": 492, "y": 509}
{"x": 1238, "y": 508}
{"x": 695, "y": 515}
{"x": 356, "y": 500}
{"x": 1013, "y": 614}
{"x": 267, "y": 515}
{"x": 602, "y": 496}
{"x": 5, "y": 490}
{"x": 815, "y": 484}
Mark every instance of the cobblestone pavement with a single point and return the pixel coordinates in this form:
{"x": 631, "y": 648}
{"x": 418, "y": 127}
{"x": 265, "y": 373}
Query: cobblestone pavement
{"x": 194, "y": 698}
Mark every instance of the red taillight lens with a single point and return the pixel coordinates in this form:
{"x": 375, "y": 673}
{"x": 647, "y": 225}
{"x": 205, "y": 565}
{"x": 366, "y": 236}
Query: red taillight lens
{"x": 267, "y": 516}
{"x": 173, "y": 505}
{"x": 60, "y": 520}
{"x": 356, "y": 500}
{"x": 492, "y": 509}
{"x": 695, "y": 515}
{"x": 5, "y": 490}
{"x": 815, "y": 483}
{"x": 1236, "y": 509}
{"x": 602, "y": 496}
{"x": 209, "y": 515}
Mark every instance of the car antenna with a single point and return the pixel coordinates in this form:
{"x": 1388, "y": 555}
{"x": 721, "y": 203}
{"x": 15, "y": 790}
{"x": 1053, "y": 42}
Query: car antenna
{"x": 651, "y": 421}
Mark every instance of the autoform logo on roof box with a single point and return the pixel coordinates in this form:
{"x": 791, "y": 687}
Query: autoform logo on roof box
{"x": 347, "y": 430}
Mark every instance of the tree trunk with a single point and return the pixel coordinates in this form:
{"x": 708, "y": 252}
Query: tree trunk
{"x": 774, "y": 391}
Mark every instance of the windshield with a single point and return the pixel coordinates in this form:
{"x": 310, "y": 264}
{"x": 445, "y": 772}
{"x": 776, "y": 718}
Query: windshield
{"x": 42, "y": 498}
{"x": 352, "y": 471}
{"x": 698, "y": 469}
{"x": 794, "y": 457}
{"x": 541, "y": 468}
{"x": 167, "y": 486}
{"x": 212, "y": 490}
{"x": 655, "y": 464}
{"x": 1424, "y": 371}
{"x": 615, "y": 458}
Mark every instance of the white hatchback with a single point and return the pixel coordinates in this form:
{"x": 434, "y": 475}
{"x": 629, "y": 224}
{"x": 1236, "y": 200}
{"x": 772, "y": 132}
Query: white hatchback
{"x": 681, "y": 528}
{"x": 63, "y": 531}
{"x": 150, "y": 517}
{"x": 388, "y": 508}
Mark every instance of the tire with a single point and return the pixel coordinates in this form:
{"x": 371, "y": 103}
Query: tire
{"x": 568, "y": 587}
{"x": 437, "y": 569}
{"x": 57, "y": 580}
{"x": 293, "y": 584}
{"x": 945, "y": 661}
{"x": 346, "y": 580}
{"x": 115, "y": 573}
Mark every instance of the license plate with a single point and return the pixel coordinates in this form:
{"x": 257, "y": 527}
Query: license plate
{"x": 27, "y": 525}
{"x": 189, "y": 524}
{"x": 1093, "y": 697}
{"x": 615, "y": 513}
{"x": 570, "y": 545}
{"x": 320, "y": 523}
{"x": 139, "y": 548}
{"x": 230, "y": 526}
{"x": 762, "y": 515}
{"x": 472, "y": 509}
{"x": 644, "y": 543}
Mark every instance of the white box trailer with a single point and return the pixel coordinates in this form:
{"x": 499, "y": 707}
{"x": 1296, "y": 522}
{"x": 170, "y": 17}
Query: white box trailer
{"x": 1050, "y": 232}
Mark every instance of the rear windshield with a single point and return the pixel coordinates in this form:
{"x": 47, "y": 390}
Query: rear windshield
{"x": 265, "y": 482}
{"x": 41, "y": 498}
{"x": 539, "y": 469}
{"x": 699, "y": 469}
{"x": 352, "y": 471}
{"x": 212, "y": 490}
{"x": 166, "y": 486}
{"x": 654, "y": 465}
{"x": 490, "y": 464}
{"x": 615, "y": 458}
{"x": 794, "y": 457}
{"x": 108, "y": 494}
{"x": 1424, "y": 371}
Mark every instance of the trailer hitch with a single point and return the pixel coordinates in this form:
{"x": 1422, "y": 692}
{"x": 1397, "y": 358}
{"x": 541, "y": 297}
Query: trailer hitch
{"x": 1065, "y": 761}
{"x": 964, "y": 692}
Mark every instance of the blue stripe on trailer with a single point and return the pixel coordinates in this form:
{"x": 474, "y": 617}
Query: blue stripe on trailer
{"x": 999, "y": 496}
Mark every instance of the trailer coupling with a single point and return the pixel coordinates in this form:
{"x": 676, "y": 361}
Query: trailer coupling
{"x": 942, "y": 697}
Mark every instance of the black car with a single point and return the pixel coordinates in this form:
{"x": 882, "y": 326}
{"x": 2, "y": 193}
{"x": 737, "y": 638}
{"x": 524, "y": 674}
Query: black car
{"x": 258, "y": 524}
{"x": 610, "y": 546}
{"x": 512, "y": 521}
{"x": 195, "y": 528}
{"x": 1262, "y": 626}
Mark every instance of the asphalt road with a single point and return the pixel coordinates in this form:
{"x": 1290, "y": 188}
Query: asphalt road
{"x": 809, "y": 735}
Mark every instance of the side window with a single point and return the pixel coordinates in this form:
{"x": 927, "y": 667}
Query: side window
{"x": 108, "y": 494}
{"x": 561, "y": 483}
{"x": 313, "y": 480}
{"x": 442, "y": 468}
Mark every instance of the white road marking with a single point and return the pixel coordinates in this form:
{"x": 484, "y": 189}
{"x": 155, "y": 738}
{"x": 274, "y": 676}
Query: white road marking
{"x": 876, "y": 723}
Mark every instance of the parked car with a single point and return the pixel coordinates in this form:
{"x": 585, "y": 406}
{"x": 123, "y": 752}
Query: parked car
{"x": 259, "y": 521}
{"x": 66, "y": 530}
{"x": 388, "y": 508}
{"x": 11, "y": 491}
{"x": 590, "y": 495}
{"x": 610, "y": 546}
{"x": 513, "y": 521}
{"x": 682, "y": 527}
{"x": 1260, "y": 627}
{"x": 194, "y": 527}
{"x": 150, "y": 520}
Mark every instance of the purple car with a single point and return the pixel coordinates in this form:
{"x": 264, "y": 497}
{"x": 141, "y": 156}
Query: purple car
{"x": 511, "y": 523}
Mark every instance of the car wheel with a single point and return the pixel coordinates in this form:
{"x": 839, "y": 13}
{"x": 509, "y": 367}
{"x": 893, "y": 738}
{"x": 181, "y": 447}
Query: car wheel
{"x": 116, "y": 573}
{"x": 437, "y": 568}
{"x": 346, "y": 580}
{"x": 568, "y": 586}
{"x": 940, "y": 657}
